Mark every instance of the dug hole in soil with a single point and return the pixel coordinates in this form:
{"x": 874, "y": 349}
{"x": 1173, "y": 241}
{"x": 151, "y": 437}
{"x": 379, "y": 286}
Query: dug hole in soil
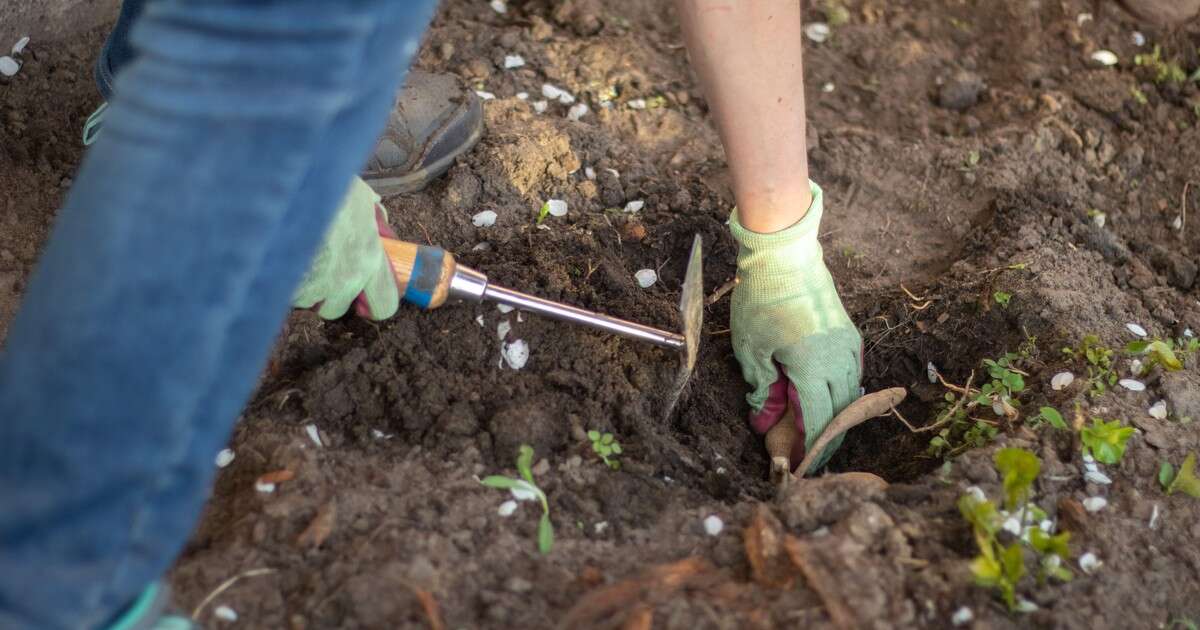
{"x": 965, "y": 149}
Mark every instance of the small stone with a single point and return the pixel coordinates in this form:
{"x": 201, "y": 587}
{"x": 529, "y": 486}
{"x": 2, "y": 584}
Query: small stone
{"x": 1105, "y": 57}
{"x": 634, "y": 206}
{"x": 1136, "y": 329}
{"x": 225, "y": 457}
{"x": 637, "y": 103}
{"x": 498, "y": 6}
{"x": 487, "y": 218}
{"x": 961, "y": 91}
{"x": 313, "y": 434}
{"x": 504, "y": 308}
{"x": 225, "y": 613}
{"x": 828, "y": 87}
{"x": 540, "y": 106}
{"x": 1158, "y": 410}
{"x": 1061, "y": 381}
{"x": 962, "y": 616}
{"x": 577, "y": 111}
{"x": 589, "y": 173}
{"x": 1094, "y": 504}
{"x": 1088, "y": 562}
{"x": 633, "y": 231}
{"x": 1097, "y": 477}
{"x": 507, "y": 508}
{"x": 817, "y": 31}
{"x": 600, "y": 527}
{"x": 487, "y": 96}
{"x": 514, "y": 61}
{"x": 1132, "y": 385}
{"x": 523, "y": 96}
{"x": 515, "y": 354}
{"x": 265, "y": 488}
{"x": 713, "y": 525}
{"x": 1137, "y": 38}
{"x": 646, "y": 278}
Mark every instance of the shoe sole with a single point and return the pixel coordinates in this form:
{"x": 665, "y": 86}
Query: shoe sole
{"x": 420, "y": 178}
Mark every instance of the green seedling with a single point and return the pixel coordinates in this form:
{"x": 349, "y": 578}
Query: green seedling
{"x": 1002, "y": 298}
{"x": 1049, "y": 415}
{"x": 1163, "y": 71}
{"x": 1157, "y": 353}
{"x": 1105, "y": 441}
{"x": 971, "y": 161}
{"x": 1139, "y": 96}
{"x": 1183, "y": 481}
{"x": 524, "y": 489}
{"x": 836, "y": 14}
{"x": 543, "y": 213}
{"x": 1007, "y": 382}
{"x": 1001, "y": 566}
{"x": 1098, "y": 359}
{"x": 962, "y": 431}
{"x": 607, "y": 447}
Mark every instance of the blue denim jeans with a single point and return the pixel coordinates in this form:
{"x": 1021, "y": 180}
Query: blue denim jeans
{"x": 229, "y": 142}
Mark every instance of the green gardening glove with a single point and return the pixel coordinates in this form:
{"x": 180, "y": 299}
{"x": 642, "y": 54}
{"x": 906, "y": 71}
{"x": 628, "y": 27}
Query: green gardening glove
{"x": 787, "y": 320}
{"x": 350, "y": 267}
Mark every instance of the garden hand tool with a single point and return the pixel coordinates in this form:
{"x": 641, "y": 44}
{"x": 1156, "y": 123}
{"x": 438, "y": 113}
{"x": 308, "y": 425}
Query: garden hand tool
{"x": 428, "y": 276}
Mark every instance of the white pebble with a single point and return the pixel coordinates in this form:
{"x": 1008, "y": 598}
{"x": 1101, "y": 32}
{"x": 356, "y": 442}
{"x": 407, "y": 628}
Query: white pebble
{"x": 1177, "y": 224}
{"x": 1097, "y": 477}
{"x": 646, "y": 278}
{"x": 1094, "y": 504}
{"x": 1099, "y": 219}
{"x": 524, "y": 96}
{"x": 1061, "y": 381}
{"x": 513, "y": 61}
{"x": 9, "y": 66}
{"x": 962, "y": 616}
{"x": 1026, "y": 606}
{"x": 498, "y": 6}
{"x": 225, "y": 613}
{"x": 1082, "y": 18}
{"x": 634, "y": 206}
{"x": 637, "y": 103}
{"x": 1136, "y": 329}
{"x": 577, "y": 111}
{"x": 589, "y": 172}
{"x": 1012, "y": 526}
{"x": 1135, "y": 367}
{"x": 817, "y": 31}
{"x": 1154, "y": 517}
{"x": 515, "y": 354}
{"x": 556, "y": 93}
{"x": 507, "y": 508}
{"x": 540, "y": 106}
{"x": 1138, "y": 38}
{"x": 976, "y": 492}
{"x": 19, "y": 47}
{"x": 1132, "y": 385}
{"x": 225, "y": 457}
{"x": 504, "y": 308}
{"x": 487, "y": 218}
{"x": 713, "y": 525}
{"x": 614, "y": 173}
{"x": 1105, "y": 57}
{"x": 265, "y": 488}
{"x": 502, "y": 329}
{"x": 479, "y": 320}
{"x": 1158, "y": 410}
{"x": 556, "y": 207}
{"x": 828, "y": 87}
{"x": 313, "y": 434}
{"x": 600, "y": 527}
{"x": 487, "y": 96}
{"x": 931, "y": 372}
{"x": 1089, "y": 562}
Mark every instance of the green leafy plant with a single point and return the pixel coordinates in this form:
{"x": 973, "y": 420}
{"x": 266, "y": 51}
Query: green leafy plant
{"x": 1007, "y": 382}
{"x": 1163, "y": 71}
{"x": 1002, "y": 566}
{"x": 962, "y": 431}
{"x": 1098, "y": 359}
{"x": 1184, "y": 481}
{"x": 524, "y": 489}
{"x": 1049, "y": 415}
{"x": 1157, "y": 353}
{"x": 1105, "y": 440}
{"x": 607, "y": 447}
{"x": 1002, "y": 298}
{"x": 543, "y": 213}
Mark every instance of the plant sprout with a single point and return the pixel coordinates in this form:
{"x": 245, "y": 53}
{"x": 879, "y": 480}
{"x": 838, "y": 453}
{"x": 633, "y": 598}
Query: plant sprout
{"x": 524, "y": 489}
{"x": 607, "y": 447}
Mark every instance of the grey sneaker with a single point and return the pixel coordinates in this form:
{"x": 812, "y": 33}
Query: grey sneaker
{"x": 435, "y": 120}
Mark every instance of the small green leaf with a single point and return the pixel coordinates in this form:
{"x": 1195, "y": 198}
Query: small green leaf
{"x": 593, "y": 435}
{"x": 525, "y": 462}
{"x": 1046, "y": 544}
{"x": 1185, "y": 481}
{"x": 1014, "y": 381}
{"x": 616, "y": 448}
{"x": 1002, "y": 298}
{"x": 1164, "y": 355}
{"x": 545, "y": 535}
{"x": 1137, "y": 347}
{"x": 1106, "y": 440}
{"x": 1019, "y": 468}
{"x": 1053, "y": 417}
{"x": 500, "y": 482}
{"x": 607, "y": 438}
{"x": 543, "y": 213}
{"x": 986, "y": 570}
{"x": 1166, "y": 474}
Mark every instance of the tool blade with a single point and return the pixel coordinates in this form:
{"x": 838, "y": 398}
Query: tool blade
{"x": 691, "y": 303}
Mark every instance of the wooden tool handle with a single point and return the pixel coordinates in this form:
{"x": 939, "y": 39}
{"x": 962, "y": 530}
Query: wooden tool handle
{"x": 423, "y": 272}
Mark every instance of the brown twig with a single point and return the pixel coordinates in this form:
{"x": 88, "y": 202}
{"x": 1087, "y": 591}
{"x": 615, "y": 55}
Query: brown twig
{"x": 224, "y": 586}
{"x": 425, "y": 232}
{"x": 430, "y": 607}
{"x": 721, "y": 291}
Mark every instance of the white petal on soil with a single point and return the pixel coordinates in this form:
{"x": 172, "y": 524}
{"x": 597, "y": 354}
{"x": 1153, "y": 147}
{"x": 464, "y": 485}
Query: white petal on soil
{"x": 962, "y": 616}
{"x": 637, "y": 103}
{"x": 634, "y": 206}
{"x": 600, "y": 527}
{"x": 380, "y": 435}
{"x": 487, "y": 218}
{"x": 504, "y": 308}
{"x": 1087, "y": 458}
{"x": 646, "y": 278}
{"x": 1089, "y": 562}
{"x": 19, "y": 47}
{"x": 502, "y": 329}
{"x": 618, "y": 176}
{"x": 9, "y": 66}
{"x": 487, "y": 96}
{"x": 828, "y": 87}
{"x": 1094, "y": 504}
{"x": 1154, "y": 517}
{"x": 589, "y": 172}
{"x": 1177, "y": 224}
{"x": 1026, "y": 606}
{"x": 931, "y": 372}
{"x": 817, "y": 31}
{"x": 550, "y": 91}
{"x": 225, "y": 613}
{"x": 1132, "y": 385}
{"x": 1090, "y": 467}
{"x": 265, "y": 488}
{"x": 1083, "y": 18}
{"x": 507, "y": 508}
{"x": 513, "y": 61}
{"x": 1158, "y": 410}
{"x": 1136, "y": 329}
{"x": 524, "y": 491}
{"x": 479, "y": 320}
{"x": 313, "y": 434}
{"x": 1187, "y": 332}
{"x": 540, "y": 106}
{"x": 1012, "y": 526}
{"x": 482, "y": 246}
{"x": 1097, "y": 477}
{"x": 524, "y": 96}
{"x": 713, "y": 525}
{"x": 1061, "y": 381}
{"x": 1105, "y": 57}
{"x": 577, "y": 111}
{"x": 1135, "y": 367}
{"x": 976, "y": 492}
{"x": 515, "y": 354}
{"x": 498, "y": 6}
{"x": 1099, "y": 218}
{"x": 1047, "y": 526}
{"x": 1138, "y": 38}
{"x": 557, "y": 207}
{"x": 225, "y": 457}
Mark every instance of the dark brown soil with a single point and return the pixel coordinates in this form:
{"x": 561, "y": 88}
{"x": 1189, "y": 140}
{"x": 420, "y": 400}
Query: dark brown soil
{"x": 928, "y": 206}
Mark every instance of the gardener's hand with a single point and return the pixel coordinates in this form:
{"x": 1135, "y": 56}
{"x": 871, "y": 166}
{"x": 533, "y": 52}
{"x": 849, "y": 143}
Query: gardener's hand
{"x": 350, "y": 267}
{"x": 787, "y": 319}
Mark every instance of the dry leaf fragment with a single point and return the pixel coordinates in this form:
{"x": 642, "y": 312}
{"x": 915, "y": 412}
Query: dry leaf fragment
{"x": 320, "y": 528}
